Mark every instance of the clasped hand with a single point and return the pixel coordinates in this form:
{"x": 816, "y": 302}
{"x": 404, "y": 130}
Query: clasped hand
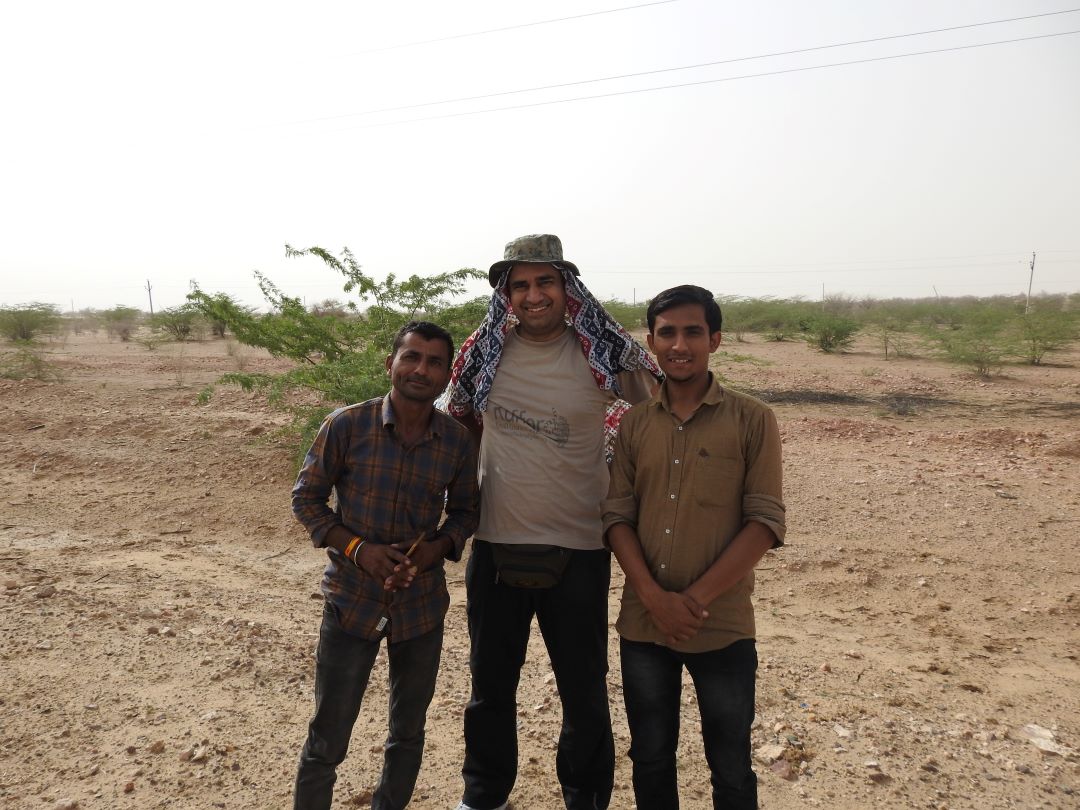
{"x": 389, "y": 562}
{"x": 677, "y": 616}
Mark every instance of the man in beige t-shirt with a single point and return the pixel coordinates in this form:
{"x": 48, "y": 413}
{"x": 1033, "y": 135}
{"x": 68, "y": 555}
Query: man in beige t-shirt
{"x": 544, "y": 395}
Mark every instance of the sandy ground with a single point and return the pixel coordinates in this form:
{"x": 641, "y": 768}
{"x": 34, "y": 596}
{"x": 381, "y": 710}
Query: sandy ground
{"x": 160, "y": 605}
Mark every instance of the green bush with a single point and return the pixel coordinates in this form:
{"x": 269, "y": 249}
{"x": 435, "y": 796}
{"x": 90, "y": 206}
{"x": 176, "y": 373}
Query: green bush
{"x": 23, "y": 323}
{"x": 28, "y": 362}
{"x": 632, "y": 316}
{"x": 121, "y": 321}
{"x": 178, "y": 323}
{"x": 981, "y": 338}
{"x": 217, "y": 308}
{"x": 830, "y": 333}
{"x": 889, "y": 326}
{"x": 1046, "y": 330}
{"x": 776, "y": 319}
{"x": 339, "y": 359}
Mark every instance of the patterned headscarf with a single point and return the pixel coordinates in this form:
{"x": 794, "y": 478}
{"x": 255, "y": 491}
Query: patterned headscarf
{"x": 608, "y": 348}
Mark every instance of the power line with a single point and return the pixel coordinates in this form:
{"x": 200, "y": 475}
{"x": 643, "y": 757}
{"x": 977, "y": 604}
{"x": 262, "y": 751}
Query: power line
{"x": 674, "y": 69}
{"x": 907, "y": 260}
{"x": 712, "y": 81}
{"x": 513, "y": 27}
{"x": 737, "y": 269}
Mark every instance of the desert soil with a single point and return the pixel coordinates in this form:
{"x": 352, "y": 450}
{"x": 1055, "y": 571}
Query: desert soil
{"x": 918, "y": 634}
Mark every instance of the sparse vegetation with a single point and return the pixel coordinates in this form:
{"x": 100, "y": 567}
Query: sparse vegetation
{"x": 774, "y": 319}
{"x": 339, "y": 358}
{"x": 217, "y": 309}
{"x": 237, "y": 353}
{"x": 121, "y": 322}
{"x": 980, "y": 333}
{"x": 831, "y": 333}
{"x": 1046, "y": 330}
{"x": 178, "y": 323}
{"x": 632, "y": 316}
{"x": 25, "y": 322}
{"x": 736, "y": 357}
{"x": 27, "y": 362}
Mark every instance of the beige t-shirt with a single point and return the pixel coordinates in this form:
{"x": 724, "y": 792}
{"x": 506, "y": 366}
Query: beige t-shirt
{"x": 542, "y": 471}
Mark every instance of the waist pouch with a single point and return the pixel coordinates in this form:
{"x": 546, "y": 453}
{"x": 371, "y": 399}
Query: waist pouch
{"x": 529, "y": 565}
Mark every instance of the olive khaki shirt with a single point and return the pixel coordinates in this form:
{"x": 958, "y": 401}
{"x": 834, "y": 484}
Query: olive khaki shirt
{"x": 688, "y": 488}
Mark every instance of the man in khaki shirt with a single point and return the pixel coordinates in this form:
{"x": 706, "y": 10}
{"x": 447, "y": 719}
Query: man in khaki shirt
{"x": 694, "y": 502}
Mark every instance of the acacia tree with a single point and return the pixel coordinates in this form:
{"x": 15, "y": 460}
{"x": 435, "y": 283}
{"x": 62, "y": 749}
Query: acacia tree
{"x": 981, "y": 339}
{"x": 1046, "y": 330}
{"x": 23, "y": 323}
{"x": 177, "y": 322}
{"x": 121, "y": 321}
{"x": 341, "y": 358}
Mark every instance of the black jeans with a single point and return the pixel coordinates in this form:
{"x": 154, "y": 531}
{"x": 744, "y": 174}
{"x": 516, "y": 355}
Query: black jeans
{"x": 341, "y": 675}
{"x": 573, "y": 621}
{"x": 724, "y": 682}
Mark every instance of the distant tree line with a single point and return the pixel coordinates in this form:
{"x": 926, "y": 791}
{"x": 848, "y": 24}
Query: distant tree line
{"x": 982, "y": 334}
{"x": 338, "y": 346}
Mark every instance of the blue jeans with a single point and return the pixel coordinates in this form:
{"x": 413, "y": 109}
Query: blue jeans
{"x": 341, "y": 676}
{"x": 724, "y": 682}
{"x": 573, "y": 621}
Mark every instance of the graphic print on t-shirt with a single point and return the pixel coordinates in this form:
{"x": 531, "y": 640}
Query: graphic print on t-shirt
{"x": 556, "y": 427}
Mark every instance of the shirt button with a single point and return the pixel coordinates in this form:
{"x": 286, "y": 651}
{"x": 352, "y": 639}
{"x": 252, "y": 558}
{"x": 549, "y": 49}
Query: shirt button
{"x": 667, "y": 531}
{"x": 680, "y": 427}
{"x": 672, "y": 496}
{"x": 676, "y": 461}
{"x": 662, "y": 565}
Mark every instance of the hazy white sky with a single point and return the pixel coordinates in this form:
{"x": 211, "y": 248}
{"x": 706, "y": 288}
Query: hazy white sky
{"x": 172, "y": 142}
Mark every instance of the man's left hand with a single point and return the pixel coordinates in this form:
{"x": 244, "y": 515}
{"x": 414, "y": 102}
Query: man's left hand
{"x": 426, "y": 555}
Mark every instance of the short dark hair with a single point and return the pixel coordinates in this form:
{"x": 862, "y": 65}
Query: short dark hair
{"x": 428, "y": 331}
{"x": 685, "y": 294}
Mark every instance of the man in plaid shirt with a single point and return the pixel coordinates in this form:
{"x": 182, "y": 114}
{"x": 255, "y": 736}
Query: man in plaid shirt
{"x": 396, "y": 463}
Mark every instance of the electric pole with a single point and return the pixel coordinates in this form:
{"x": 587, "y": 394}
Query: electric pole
{"x": 1031, "y": 277}
{"x": 150, "y": 296}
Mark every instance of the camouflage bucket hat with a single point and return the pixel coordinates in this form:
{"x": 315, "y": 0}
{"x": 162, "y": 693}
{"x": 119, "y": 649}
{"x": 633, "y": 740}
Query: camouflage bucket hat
{"x": 536, "y": 248}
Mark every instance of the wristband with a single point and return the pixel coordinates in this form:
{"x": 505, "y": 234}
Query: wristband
{"x": 351, "y": 547}
{"x": 356, "y": 551}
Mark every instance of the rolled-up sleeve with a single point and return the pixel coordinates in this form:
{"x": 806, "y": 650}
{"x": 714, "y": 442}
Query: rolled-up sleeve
{"x": 620, "y": 505}
{"x": 322, "y": 466}
{"x": 762, "y": 499}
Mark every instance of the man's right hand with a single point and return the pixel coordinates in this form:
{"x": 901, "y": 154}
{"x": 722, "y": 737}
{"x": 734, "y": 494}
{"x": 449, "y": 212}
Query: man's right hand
{"x": 676, "y": 615}
{"x": 379, "y": 559}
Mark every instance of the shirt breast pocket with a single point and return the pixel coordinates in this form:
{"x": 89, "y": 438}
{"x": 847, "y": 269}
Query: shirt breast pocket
{"x": 427, "y": 494}
{"x": 718, "y": 480}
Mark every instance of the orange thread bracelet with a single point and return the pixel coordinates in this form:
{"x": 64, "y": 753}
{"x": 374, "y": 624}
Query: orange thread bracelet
{"x": 349, "y": 549}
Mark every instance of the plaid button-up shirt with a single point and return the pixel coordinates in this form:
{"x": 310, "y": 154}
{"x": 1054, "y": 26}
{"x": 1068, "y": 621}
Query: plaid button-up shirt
{"x": 387, "y": 492}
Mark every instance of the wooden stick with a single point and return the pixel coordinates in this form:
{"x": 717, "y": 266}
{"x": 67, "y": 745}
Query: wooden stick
{"x": 412, "y": 548}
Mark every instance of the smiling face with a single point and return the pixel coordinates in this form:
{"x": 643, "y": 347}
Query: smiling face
{"x": 538, "y": 298}
{"x": 682, "y": 343}
{"x": 420, "y": 368}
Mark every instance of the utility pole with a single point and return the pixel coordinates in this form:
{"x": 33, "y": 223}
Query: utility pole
{"x": 1031, "y": 277}
{"x": 150, "y": 296}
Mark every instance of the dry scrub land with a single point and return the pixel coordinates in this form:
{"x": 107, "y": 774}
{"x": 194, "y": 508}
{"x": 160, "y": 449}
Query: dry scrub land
{"x": 160, "y": 607}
